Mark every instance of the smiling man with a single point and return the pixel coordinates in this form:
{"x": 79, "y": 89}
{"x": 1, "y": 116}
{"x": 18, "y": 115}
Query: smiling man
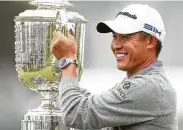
{"x": 135, "y": 51}
{"x": 144, "y": 100}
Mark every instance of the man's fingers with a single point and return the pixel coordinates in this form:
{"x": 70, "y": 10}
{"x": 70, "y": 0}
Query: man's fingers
{"x": 70, "y": 36}
{"x": 58, "y": 34}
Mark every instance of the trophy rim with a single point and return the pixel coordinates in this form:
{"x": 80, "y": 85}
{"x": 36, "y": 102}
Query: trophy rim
{"x": 51, "y": 4}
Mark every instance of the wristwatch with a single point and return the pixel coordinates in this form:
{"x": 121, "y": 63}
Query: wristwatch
{"x": 64, "y": 62}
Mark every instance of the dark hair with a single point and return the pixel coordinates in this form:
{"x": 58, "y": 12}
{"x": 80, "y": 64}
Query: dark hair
{"x": 158, "y": 45}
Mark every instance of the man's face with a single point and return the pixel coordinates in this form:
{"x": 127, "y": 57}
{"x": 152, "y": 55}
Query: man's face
{"x": 129, "y": 50}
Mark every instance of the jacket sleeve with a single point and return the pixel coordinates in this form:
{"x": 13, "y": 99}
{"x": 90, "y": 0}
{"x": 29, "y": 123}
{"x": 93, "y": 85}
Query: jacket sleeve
{"x": 132, "y": 101}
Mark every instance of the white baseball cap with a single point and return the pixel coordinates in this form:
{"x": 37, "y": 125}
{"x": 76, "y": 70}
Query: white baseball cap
{"x": 135, "y": 18}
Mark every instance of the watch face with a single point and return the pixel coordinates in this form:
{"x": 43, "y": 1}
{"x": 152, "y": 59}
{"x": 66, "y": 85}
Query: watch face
{"x": 63, "y": 62}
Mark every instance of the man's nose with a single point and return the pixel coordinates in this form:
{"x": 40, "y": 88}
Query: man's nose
{"x": 117, "y": 44}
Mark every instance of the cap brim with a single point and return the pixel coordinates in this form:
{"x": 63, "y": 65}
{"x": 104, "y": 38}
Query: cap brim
{"x": 121, "y": 27}
{"x": 104, "y": 27}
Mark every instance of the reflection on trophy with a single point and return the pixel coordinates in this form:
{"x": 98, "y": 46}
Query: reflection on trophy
{"x": 37, "y": 68}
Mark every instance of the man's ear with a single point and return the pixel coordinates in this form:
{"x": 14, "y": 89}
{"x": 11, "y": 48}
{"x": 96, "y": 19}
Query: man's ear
{"x": 151, "y": 43}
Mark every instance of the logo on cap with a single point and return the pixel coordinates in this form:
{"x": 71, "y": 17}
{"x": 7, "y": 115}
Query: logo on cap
{"x": 127, "y": 14}
{"x": 152, "y": 28}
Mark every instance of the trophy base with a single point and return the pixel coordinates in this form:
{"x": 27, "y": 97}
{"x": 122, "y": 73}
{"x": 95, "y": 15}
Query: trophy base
{"x": 42, "y": 120}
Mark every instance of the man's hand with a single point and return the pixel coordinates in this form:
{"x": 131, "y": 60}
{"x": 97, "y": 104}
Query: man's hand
{"x": 63, "y": 46}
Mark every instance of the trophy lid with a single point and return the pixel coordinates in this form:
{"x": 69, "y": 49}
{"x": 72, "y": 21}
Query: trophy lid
{"x": 76, "y": 18}
{"x": 47, "y": 15}
{"x": 52, "y": 3}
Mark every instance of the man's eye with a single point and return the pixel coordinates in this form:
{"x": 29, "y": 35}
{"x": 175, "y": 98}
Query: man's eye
{"x": 125, "y": 37}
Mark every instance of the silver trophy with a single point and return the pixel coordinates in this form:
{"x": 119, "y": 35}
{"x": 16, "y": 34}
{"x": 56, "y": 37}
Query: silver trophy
{"x": 36, "y": 67}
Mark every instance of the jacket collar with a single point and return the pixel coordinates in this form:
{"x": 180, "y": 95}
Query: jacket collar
{"x": 155, "y": 66}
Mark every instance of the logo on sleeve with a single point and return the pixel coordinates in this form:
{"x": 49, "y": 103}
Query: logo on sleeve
{"x": 122, "y": 93}
{"x": 122, "y": 88}
{"x": 126, "y": 86}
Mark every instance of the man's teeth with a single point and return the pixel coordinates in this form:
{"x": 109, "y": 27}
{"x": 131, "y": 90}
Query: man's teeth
{"x": 120, "y": 55}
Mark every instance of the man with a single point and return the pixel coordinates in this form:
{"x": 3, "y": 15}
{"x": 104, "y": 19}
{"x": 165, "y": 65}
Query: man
{"x": 144, "y": 100}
